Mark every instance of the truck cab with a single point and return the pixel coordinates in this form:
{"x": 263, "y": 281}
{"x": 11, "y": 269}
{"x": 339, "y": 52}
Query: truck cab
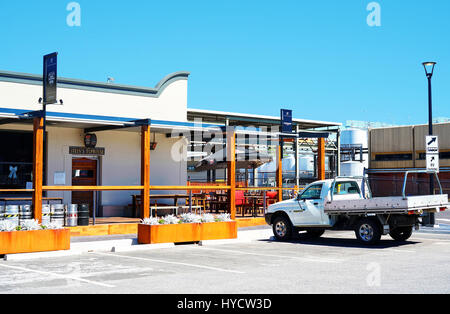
{"x": 307, "y": 208}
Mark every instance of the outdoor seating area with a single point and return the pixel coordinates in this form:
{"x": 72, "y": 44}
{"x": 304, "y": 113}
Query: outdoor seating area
{"x": 249, "y": 203}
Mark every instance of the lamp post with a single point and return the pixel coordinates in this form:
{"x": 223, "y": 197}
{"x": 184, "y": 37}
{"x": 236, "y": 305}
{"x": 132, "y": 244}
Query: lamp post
{"x": 429, "y": 70}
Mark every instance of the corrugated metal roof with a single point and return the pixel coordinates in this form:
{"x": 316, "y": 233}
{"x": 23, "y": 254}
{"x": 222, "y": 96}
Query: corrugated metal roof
{"x": 243, "y": 119}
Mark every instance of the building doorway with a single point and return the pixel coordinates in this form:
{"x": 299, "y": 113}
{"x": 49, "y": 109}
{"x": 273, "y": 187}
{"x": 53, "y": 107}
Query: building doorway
{"x": 84, "y": 173}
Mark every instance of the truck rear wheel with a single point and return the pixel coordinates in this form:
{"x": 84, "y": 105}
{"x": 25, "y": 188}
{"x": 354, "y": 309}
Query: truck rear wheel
{"x": 401, "y": 233}
{"x": 368, "y": 231}
{"x": 282, "y": 228}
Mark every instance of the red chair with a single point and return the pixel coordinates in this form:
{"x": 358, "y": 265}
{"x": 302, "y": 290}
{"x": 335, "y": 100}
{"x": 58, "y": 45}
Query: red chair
{"x": 271, "y": 198}
{"x": 240, "y": 202}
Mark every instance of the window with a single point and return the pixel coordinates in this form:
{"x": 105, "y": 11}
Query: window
{"x": 313, "y": 193}
{"x": 393, "y": 157}
{"x": 82, "y": 174}
{"x": 442, "y": 155}
{"x": 16, "y": 159}
{"x": 345, "y": 188}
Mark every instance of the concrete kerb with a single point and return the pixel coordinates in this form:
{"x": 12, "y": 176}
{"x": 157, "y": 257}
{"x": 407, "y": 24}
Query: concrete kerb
{"x": 129, "y": 245}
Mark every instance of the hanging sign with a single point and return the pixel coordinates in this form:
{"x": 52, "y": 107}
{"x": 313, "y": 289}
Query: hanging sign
{"x": 286, "y": 121}
{"x": 50, "y": 78}
{"x": 90, "y": 140}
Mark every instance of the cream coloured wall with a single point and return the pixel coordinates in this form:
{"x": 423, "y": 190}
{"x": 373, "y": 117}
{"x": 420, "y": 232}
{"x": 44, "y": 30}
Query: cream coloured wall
{"x": 121, "y": 164}
{"x": 170, "y": 105}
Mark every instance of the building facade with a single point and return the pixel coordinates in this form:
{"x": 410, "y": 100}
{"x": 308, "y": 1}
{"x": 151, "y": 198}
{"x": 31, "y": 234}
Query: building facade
{"x": 87, "y": 106}
{"x": 394, "y": 150}
{"x": 94, "y": 137}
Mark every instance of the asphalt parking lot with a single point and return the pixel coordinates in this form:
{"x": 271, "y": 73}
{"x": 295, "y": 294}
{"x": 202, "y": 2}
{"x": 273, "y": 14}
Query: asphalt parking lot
{"x": 337, "y": 263}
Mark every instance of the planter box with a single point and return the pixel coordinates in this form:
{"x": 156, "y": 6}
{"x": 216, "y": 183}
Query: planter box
{"x": 218, "y": 230}
{"x": 183, "y": 233}
{"x": 34, "y": 241}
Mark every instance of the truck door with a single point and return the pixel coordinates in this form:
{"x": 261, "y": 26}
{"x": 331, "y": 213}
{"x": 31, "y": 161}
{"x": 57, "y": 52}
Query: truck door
{"x": 310, "y": 212}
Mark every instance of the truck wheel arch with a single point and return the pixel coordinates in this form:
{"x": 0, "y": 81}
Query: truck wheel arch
{"x": 280, "y": 214}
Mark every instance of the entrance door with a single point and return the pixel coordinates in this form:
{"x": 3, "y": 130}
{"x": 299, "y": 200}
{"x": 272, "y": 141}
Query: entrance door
{"x": 84, "y": 173}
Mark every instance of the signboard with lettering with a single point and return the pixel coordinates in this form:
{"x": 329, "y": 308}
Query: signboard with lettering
{"x": 286, "y": 121}
{"x": 90, "y": 140}
{"x": 99, "y": 151}
{"x": 433, "y": 162}
{"x": 50, "y": 78}
{"x": 432, "y": 152}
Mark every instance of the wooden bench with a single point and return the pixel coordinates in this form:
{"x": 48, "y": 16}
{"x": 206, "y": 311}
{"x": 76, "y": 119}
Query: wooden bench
{"x": 197, "y": 203}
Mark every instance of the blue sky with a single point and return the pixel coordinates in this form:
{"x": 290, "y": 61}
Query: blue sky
{"x": 318, "y": 58}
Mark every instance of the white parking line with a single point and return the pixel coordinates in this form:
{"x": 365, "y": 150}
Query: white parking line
{"x": 170, "y": 262}
{"x": 442, "y": 219}
{"x": 400, "y": 250}
{"x": 67, "y": 277}
{"x": 306, "y": 259}
{"x": 431, "y": 237}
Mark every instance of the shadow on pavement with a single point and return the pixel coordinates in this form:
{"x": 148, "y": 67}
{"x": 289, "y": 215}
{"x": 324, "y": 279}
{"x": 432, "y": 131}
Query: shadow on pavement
{"x": 348, "y": 243}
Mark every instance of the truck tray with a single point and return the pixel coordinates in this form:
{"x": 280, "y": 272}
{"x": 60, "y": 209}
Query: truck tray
{"x": 391, "y": 204}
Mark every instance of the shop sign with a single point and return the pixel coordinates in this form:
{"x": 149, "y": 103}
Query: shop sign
{"x": 90, "y": 140}
{"x": 286, "y": 121}
{"x": 99, "y": 151}
{"x": 50, "y": 78}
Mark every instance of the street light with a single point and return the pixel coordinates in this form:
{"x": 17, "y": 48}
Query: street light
{"x": 429, "y": 70}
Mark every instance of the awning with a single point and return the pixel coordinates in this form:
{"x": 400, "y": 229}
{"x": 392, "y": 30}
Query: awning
{"x": 92, "y": 123}
{"x": 247, "y": 158}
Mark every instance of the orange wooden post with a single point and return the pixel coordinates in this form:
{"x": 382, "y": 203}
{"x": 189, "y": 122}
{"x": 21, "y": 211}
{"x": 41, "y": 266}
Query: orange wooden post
{"x": 145, "y": 171}
{"x": 321, "y": 159}
{"x": 38, "y": 168}
{"x": 231, "y": 170}
{"x": 279, "y": 174}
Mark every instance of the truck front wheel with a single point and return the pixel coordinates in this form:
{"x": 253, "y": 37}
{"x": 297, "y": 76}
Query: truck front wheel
{"x": 401, "y": 234}
{"x": 368, "y": 231}
{"x": 282, "y": 228}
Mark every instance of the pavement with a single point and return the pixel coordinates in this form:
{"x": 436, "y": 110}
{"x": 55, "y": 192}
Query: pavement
{"x": 253, "y": 264}
{"x": 443, "y": 218}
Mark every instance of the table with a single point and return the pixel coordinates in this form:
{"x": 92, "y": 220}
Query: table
{"x": 175, "y": 197}
{"x": 254, "y": 199}
{"x": 218, "y": 202}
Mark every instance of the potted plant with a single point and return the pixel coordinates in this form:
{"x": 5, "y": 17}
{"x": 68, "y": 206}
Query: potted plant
{"x": 32, "y": 237}
{"x": 187, "y": 228}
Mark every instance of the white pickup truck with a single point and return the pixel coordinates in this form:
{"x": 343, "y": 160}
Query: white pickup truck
{"x": 351, "y": 207}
